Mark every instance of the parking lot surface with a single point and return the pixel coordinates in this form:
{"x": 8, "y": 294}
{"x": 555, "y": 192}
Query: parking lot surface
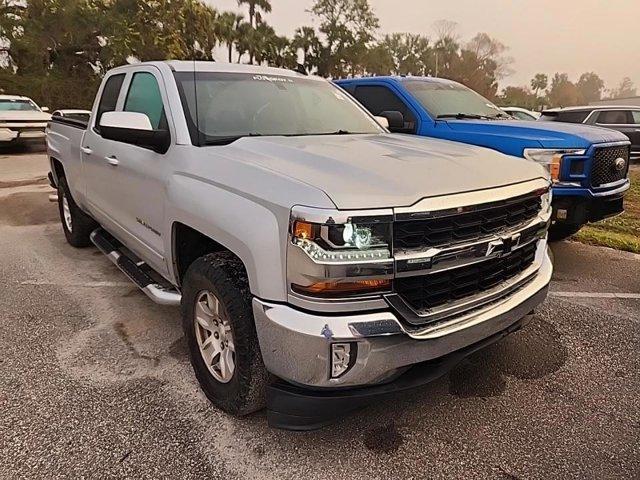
{"x": 95, "y": 379}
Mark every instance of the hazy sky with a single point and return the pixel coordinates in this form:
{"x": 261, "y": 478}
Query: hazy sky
{"x": 570, "y": 36}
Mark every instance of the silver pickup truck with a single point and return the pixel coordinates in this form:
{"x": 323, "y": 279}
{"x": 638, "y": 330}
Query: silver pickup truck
{"x": 319, "y": 261}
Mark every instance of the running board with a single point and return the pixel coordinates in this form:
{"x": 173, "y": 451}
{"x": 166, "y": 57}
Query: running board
{"x": 155, "y": 291}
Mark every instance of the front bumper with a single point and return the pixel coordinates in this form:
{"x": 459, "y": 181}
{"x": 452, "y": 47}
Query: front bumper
{"x": 27, "y": 135}
{"x": 580, "y": 207}
{"x": 296, "y": 345}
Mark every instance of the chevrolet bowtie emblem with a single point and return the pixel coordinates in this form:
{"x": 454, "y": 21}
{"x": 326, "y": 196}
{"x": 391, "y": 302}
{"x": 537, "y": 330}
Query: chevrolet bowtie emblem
{"x": 503, "y": 245}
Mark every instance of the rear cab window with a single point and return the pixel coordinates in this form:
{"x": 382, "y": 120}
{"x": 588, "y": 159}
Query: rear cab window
{"x": 573, "y": 117}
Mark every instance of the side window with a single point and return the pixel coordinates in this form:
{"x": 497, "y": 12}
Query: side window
{"x": 109, "y": 97}
{"x": 614, "y": 117}
{"x": 573, "y": 117}
{"x": 144, "y": 97}
{"x": 636, "y": 116}
{"x": 379, "y": 99}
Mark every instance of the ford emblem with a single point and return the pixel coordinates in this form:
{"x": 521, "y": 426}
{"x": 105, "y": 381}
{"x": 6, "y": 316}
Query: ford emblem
{"x": 620, "y": 163}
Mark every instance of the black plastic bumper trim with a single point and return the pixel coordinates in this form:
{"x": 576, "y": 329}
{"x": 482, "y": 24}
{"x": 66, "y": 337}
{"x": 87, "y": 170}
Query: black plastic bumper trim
{"x": 291, "y": 407}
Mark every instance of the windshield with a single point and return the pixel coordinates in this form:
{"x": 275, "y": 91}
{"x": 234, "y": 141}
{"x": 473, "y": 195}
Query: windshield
{"x": 226, "y": 106}
{"x": 20, "y": 105}
{"x": 444, "y": 99}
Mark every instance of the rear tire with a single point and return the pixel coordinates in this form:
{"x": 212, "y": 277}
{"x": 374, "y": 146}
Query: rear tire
{"x": 560, "y": 232}
{"x": 216, "y": 308}
{"x": 76, "y": 224}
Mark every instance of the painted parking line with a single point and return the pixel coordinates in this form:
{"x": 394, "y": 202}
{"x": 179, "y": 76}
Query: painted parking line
{"x": 633, "y": 296}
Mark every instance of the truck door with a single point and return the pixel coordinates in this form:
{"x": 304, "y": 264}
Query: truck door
{"x": 96, "y": 173}
{"x": 380, "y": 98}
{"x": 136, "y": 175}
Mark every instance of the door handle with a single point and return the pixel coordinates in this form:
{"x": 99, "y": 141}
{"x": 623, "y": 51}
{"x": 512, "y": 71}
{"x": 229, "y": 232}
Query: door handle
{"x": 113, "y": 160}
{"x": 86, "y": 150}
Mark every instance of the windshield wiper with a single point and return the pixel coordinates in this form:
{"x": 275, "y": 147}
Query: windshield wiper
{"x": 461, "y": 116}
{"x": 227, "y": 140}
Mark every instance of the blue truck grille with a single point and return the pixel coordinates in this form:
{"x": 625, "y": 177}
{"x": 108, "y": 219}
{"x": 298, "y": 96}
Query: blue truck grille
{"x": 452, "y": 228}
{"x": 437, "y": 289}
{"x": 606, "y": 165}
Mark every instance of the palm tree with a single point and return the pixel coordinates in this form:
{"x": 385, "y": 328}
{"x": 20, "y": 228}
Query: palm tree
{"x": 539, "y": 82}
{"x": 264, "y": 5}
{"x": 305, "y": 39}
{"x": 228, "y": 24}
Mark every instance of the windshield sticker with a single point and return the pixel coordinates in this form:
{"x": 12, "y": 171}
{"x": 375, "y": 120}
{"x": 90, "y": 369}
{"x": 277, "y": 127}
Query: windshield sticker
{"x": 266, "y": 78}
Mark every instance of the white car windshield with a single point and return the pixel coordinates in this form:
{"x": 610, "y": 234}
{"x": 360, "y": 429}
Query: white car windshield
{"x": 222, "y": 107}
{"x": 18, "y": 105}
{"x": 452, "y": 100}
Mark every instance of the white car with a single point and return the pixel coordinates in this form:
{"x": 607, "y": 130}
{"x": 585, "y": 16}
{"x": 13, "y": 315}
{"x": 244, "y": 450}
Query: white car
{"x": 22, "y": 121}
{"x": 521, "y": 113}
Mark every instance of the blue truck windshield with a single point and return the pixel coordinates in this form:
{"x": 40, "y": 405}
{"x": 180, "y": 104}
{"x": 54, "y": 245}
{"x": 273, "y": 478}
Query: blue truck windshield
{"x": 222, "y": 107}
{"x": 444, "y": 99}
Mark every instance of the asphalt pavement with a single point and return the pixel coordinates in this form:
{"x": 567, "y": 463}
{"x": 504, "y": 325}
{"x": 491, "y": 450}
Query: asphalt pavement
{"x": 95, "y": 381}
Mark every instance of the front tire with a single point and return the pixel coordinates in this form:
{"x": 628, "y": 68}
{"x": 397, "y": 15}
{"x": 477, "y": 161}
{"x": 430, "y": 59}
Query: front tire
{"x": 217, "y": 320}
{"x": 76, "y": 224}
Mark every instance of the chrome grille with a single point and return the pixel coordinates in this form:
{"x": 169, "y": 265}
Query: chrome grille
{"x": 425, "y": 292}
{"x": 464, "y": 225}
{"x": 604, "y": 169}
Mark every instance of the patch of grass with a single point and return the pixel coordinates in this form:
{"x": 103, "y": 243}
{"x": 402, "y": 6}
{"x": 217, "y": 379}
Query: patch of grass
{"x": 621, "y": 232}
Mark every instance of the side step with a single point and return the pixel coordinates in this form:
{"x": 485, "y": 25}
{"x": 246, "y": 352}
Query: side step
{"x": 138, "y": 272}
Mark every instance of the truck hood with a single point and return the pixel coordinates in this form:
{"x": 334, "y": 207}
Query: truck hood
{"x": 534, "y": 134}
{"x": 30, "y": 116}
{"x": 385, "y": 170}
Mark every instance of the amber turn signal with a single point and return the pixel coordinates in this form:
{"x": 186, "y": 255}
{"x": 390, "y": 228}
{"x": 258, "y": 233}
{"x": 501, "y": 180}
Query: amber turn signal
{"x": 302, "y": 230}
{"x": 343, "y": 288}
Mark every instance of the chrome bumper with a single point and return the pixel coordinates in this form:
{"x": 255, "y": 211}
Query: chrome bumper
{"x": 295, "y": 345}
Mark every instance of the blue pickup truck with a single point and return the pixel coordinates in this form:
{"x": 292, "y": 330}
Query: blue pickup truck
{"x": 589, "y": 165}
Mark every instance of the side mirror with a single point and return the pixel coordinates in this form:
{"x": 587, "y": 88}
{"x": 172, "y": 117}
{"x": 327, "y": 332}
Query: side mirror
{"x": 382, "y": 121}
{"x": 133, "y": 128}
{"x": 395, "y": 120}
{"x": 44, "y": 109}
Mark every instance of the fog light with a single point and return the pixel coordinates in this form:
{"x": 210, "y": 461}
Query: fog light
{"x": 342, "y": 358}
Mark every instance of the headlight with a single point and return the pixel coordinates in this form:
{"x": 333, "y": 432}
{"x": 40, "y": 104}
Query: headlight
{"x": 339, "y": 255}
{"x": 551, "y": 159}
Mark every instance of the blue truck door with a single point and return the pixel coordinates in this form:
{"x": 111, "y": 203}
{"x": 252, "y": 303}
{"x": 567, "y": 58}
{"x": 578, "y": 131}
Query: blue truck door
{"x": 379, "y": 97}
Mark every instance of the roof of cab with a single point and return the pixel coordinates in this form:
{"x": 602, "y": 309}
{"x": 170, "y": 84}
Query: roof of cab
{"x": 589, "y": 108}
{"x": 13, "y": 97}
{"x": 222, "y": 67}
{"x": 401, "y": 78}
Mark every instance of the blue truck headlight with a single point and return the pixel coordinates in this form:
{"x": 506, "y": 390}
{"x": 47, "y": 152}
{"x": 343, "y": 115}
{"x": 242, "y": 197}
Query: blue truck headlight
{"x": 550, "y": 158}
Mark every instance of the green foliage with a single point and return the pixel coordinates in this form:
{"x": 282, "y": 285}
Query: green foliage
{"x": 518, "y": 97}
{"x": 621, "y": 232}
{"x": 590, "y": 87}
{"x": 349, "y": 27}
{"x": 59, "y": 49}
{"x": 563, "y": 92}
